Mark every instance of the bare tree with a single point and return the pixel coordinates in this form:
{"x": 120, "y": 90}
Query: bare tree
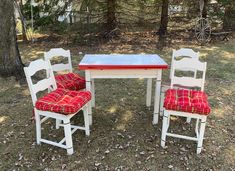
{"x": 164, "y": 18}
{"x": 163, "y": 24}
{"x": 229, "y": 17}
{"x": 111, "y": 18}
{"x": 10, "y": 61}
{"x": 205, "y": 8}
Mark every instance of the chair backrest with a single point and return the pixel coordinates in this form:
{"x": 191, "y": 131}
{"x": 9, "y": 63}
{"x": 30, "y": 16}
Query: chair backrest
{"x": 55, "y": 52}
{"x": 183, "y": 53}
{"x": 193, "y": 65}
{"x": 46, "y": 83}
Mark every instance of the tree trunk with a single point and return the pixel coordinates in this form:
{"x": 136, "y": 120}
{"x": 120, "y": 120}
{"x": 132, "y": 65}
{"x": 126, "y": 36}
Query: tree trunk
{"x": 205, "y": 8}
{"x": 141, "y": 12}
{"x": 229, "y": 18}
{"x": 193, "y": 9}
{"x": 164, "y": 18}
{"x": 111, "y": 18}
{"x": 20, "y": 7}
{"x": 10, "y": 61}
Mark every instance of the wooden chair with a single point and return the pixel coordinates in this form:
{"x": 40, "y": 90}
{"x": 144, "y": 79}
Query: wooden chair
{"x": 183, "y": 53}
{"x": 176, "y": 55}
{"x": 186, "y": 102}
{"x": 59, "y": 104}
{"x": 68, "y": 79}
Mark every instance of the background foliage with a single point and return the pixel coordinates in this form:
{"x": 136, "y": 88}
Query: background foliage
{"x": 145, "y": 13}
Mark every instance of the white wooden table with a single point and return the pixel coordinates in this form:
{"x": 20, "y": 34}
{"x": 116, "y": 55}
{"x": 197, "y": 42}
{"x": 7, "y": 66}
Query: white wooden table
{"x": 148, "y": 66}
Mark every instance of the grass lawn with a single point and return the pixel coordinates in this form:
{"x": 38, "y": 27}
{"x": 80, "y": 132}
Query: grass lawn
{"x": 122, "y": 135}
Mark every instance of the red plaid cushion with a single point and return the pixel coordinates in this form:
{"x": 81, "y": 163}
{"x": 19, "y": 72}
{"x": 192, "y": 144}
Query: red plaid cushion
{"x": 187, "y": 101}
{"x": 63, "y": 101}
{"x": 70, "y": 81}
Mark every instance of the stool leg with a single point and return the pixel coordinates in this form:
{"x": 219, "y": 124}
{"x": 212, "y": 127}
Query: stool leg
{"x": 86, "y": 121}
{"x": 201, "y": 134}
{"x": 165, "y": 126}
{"x": 68, "y": 136}
{"x": 38, "y": 127}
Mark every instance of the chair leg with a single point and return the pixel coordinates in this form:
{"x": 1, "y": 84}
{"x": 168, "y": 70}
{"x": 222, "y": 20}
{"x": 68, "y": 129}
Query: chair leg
{"x": 162, "y": 101}
{"x": 196, "y": 127}
{"x": 201, "y": 134}
{"x": 89, "y": 104}
{"x": 168, "y": 122}
{"x": 86, "y": 121}
{"x": 38, "y": 127}
{"x": 57, "y": 123}
{"x": 188, "y": 120}
{"x": 68, "y": 136}
{"x": 165, "y": 126}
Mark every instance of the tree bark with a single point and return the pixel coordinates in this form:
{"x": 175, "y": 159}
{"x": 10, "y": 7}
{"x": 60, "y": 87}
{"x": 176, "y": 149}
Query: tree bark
{"x": 164, "y": 18}
{"x": 20, "y": 7}
{"x": 205, "y": 8}
{"x": 141, "y": 12}
{"x": 10, "y": 61}
{"x": 111, "y": 18}
{"x": 229, "y": 18}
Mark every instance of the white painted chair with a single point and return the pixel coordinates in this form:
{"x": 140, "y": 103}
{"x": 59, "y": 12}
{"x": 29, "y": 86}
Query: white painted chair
{"x": 186, "y": 102}
{"x": 44, "y": 110}
{"x": 55, "y": 52}
{"x": 176, "y": 55}
{"x": 183, "y": 53}
{"x": 69, "y": 80}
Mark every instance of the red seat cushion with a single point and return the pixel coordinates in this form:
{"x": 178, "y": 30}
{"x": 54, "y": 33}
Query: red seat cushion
{"x": 191, "y": 101}
{"x": 70, "y": 81}
{"x": 63, "y": 101}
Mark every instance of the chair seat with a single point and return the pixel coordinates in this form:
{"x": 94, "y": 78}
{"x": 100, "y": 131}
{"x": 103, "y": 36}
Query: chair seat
{"x": 63, "y": 101}
{"x": 191, "y": 101}
{"x": 70, "y": 81}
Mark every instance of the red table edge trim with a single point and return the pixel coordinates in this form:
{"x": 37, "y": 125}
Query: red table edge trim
{"x": 101, "y": 67}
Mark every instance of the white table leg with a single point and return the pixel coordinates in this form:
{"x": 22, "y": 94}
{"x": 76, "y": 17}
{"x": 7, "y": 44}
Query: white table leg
{"x": 88, "y": 88}
{"x": 93, "y": 92}
{"x": 149, "y": 92}
{"x": 157, "y": 97}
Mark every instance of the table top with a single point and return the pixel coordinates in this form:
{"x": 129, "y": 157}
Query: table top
{"x": 122, "y": 61}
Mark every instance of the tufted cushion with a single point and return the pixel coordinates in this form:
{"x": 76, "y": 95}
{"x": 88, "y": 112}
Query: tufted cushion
{"x": 63, "y": 101}
{"x": 70, "y": 81}
{"x": 187, "y": 101}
